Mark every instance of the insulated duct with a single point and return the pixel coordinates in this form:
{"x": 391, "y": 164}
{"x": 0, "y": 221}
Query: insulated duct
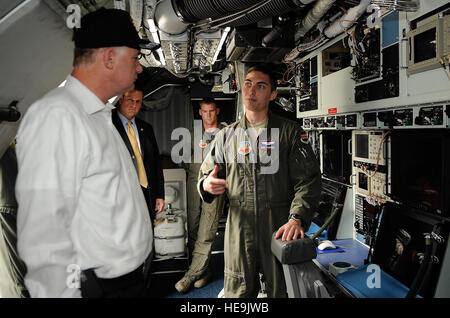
{"x": 347, "y": 20}
{"x": 397, "y": 5}
{"x": 272, "y": 8}
{"x": 339, "y": 26}
{"x": 313, "y": 17}
{"x": 167, "y": 19}
{"x": 274, "y": 34}
{"x": 197, "y": 10}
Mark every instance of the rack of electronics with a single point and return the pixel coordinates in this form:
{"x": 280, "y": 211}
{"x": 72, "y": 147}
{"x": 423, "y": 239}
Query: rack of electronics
{"x": 377, "y": 101}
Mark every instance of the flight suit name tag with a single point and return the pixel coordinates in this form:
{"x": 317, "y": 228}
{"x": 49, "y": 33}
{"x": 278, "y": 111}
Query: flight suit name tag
{"x": 267, "y": 145}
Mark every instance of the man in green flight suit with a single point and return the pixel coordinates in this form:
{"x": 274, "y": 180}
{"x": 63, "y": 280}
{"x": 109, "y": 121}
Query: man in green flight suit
{"x": 268, "y": 170}
{"x": 202, "y": 217}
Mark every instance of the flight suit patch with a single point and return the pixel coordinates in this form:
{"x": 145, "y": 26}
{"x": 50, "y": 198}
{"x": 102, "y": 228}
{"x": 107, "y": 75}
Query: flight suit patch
{"x": 304, "y": 138}
{"x": 244, "y": 147}
{"x": 202, "y": 144}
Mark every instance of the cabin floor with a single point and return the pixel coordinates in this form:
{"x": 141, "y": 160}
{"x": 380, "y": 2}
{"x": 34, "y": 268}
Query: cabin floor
{"x": 163, "y": 285}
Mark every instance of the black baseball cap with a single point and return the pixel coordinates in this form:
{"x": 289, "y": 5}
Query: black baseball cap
{"x": 108, "y": 28}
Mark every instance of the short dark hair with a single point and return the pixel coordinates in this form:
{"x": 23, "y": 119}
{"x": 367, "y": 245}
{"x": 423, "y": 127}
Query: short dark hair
{"x": 207, "y": 100}
{"x": 138, "y": 86}
{"x": 267, "y": 69}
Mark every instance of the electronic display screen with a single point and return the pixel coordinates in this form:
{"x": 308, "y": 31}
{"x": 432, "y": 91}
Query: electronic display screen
{"x": 336, "y": 159}
{"x": 363, "y": 181}
{"x": 425, "y": 46}
{"x": 362, "y": 146}
{"x": 418, "y": 169}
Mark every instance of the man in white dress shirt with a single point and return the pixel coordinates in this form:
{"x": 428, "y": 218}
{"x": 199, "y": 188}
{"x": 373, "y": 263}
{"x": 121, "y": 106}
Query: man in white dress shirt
{"x": 81, "y": 207}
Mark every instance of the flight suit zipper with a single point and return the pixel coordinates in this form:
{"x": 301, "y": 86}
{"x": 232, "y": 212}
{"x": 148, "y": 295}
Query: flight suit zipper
{"x": 255, "y": 201}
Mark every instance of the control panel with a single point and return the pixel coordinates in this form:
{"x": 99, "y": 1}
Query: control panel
{"x": 430, "y": 116}
{"x": 433, "y": 115}
{"x": 369, "y": 162}
{"x": 371, "y": 184}
{"x": 402, "y": 117}
{"x": 366, "y": 220}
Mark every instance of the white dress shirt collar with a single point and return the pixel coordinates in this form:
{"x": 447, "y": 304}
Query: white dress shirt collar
{"x": 93, "y": 104}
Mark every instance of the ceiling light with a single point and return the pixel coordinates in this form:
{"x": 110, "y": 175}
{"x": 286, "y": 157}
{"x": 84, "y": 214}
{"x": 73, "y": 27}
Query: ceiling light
{"x": 154, "y": 32}
{"x": 219, "y": 47}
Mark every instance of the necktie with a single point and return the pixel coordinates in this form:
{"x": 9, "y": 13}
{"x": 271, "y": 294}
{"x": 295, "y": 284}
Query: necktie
{"x": 141, "y": 170}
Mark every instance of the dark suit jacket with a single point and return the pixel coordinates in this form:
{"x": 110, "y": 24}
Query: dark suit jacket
{"x": 150, "y": 156}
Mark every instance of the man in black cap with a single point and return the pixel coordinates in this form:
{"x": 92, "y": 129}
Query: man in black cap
{"x": 81, "y": 208}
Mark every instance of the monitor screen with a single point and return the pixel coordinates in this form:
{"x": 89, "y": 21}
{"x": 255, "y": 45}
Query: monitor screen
{"x": 336, "y": 159}
{"x": 418, "y": 168}
{"x": 363, "y": 182}
{"x": 425, "y": 45}
{"x": 362, "y": 146}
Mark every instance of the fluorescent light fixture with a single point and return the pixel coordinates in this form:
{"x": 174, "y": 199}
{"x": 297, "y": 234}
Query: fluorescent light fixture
{"x": 152, "y": 27}
{"x": 154, "y": 32}
{"x": 219, "y": 47}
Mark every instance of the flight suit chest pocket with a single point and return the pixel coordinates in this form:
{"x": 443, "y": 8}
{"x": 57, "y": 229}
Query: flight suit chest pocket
{"x": 244, "y": 175}
{"x": 269, "y": 156}
{"x": 238, "y": 185}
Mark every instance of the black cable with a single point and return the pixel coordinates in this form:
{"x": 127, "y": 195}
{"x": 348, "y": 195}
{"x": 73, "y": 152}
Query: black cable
{"x": 373, "y": 235}
{"x": 431, "y": 263}
{"x": 418, "y": 279}
{"x": 327, "y": 222}
{"x": 427, "y": 272}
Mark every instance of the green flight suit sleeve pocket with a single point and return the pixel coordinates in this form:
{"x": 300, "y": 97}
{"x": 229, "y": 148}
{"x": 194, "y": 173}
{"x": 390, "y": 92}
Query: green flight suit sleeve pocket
{"x": 306, "y": 178}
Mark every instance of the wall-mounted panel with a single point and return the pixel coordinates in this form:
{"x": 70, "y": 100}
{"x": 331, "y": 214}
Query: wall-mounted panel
{"x": 365, "y": 87}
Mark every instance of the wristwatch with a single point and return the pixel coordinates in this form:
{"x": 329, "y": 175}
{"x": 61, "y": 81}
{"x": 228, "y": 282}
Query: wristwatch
{"x": 295, "y": 217}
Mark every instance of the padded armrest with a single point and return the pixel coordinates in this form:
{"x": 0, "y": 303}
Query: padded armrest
{"x": 292, "y": 252}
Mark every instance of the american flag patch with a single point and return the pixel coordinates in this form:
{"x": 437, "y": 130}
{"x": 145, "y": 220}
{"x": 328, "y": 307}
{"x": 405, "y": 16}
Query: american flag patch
{"x": 304, "y": 138}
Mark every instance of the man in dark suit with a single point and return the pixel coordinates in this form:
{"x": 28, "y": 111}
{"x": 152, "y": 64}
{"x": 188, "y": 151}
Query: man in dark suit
{"x": 143, "y": 148}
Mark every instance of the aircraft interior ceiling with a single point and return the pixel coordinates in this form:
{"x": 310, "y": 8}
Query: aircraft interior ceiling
{"x": 200, "y": 39}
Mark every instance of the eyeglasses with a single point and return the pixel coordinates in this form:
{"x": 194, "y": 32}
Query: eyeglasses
{"x": 141, "y": 55}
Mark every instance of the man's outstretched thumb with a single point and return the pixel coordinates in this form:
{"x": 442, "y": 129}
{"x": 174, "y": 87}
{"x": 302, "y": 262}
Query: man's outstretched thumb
{"x": 214, "y": 172}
